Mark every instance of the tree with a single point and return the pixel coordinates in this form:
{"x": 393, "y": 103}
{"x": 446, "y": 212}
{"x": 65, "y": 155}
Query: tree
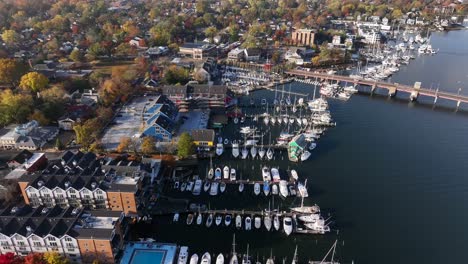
{"x": 14, "y": 107}
{"x": 58, "y": 144}
{"x": 10, "y": 37}
{"x": 125, "y": 49}
{"x": 34, "y": 258}
{"x": 33, "y": 81}
{"x": 10, "y": 258}
{"x": 124, "y": 144}
{"x": 54, "y": 258}
{"x": 39, "y": 117}
{"x": 76, "y": 56}
{"x": 185, "y": 146}
{"x": 211, "y": 33}
{"x": 175, "y": 74}
{"x": 148, "y": 145}
{"x": 84, "y": 133}
{"x": 11, "y": 71}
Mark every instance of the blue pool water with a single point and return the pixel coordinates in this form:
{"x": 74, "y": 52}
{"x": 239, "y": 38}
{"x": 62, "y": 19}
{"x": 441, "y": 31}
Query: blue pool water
{"x": 143, "y": 256}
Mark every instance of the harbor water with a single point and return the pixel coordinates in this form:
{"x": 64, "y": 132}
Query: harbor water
{"x": 392, "y": 175}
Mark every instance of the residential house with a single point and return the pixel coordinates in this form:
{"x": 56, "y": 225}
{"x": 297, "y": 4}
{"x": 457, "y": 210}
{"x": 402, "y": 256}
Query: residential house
{"x": 203, "y": 137}
{"x": 236, "y": 54}
{"x": 252, "y": 54}
{"x": 28, "y": 136}
{"x": 137, "y": 42}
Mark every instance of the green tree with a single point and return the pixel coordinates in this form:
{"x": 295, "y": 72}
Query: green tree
{"x": 175, "y": 74}
{"x": 10, "y": 37}
{"x": 185, "y": 146}
{"x": 14, "y": 107}
{"x": 84, "y": 133}
{"x": 148, "y": 145}
{"x": 11, "y": 71}
{"x": 94, "y": 51}
{"x": 210, "y": 32}
{"x": 76, "y": 55}
{"x": 33, "y": 81}
{"x": 58, "y": 144}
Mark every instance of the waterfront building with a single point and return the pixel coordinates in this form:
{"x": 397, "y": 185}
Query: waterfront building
{"x": 236, "y": 54}
{"x": 303, "y": 37}
{"x": 28, "y": 136}
{"x": 203, "y": 137}
{"x": 197, "y": 51}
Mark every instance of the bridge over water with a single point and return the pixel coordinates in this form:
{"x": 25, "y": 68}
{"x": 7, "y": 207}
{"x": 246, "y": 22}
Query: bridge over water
{"x": 393, "y": 88}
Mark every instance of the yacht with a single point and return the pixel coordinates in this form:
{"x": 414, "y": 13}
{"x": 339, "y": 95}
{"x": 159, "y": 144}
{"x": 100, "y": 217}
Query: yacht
{"x": 258, "y": 222}
{"x": 235, "y": 150}
{"x": 218, "y": 173}
{"x": 261, "y": 152}
{"x": 214, "y": 188}
{"x": 218, "y": 220}
{"x": 318, "y": 226}
{"x": 199, "y": 219}
{"x": 256, "y": 188}
{"x": 276, "y": 222}
{"x": 226, "y": 172}
{"x": 210, "y": 173}
{"x": 275, "y": 175}
{"x": 220, "y": 259}
{"x": 269, "y": 154}
{"x": 238, "y": 222}
{"x": 274, "y": 189}
{"x": 244, "y": 153}
{"x": 309, "y": 218}
{"x": 312, "y": 146}
{"x": 176, "y": 217}
{"x": 266, "y": 188}
{"x": 189, "y": 219}
{"x": 266, "y": 174}
{"x": 287, "y": 225}
{"x": 197, "y": 187}
{"x": 206, "y": 186}
{"x": 267, "y": 222}
{"x": 283, "y": 188}
{"x": 227, "y": 220}
{"x": 294, "y": 175}
{"x": 233, "y": 174}
{"x": 183, "y": 186}
{"x": 241, "y": 187}
{"x": 222, "y": 187}
{"x": 305, "y": 155}
{"x": 248, "y": 223}
{"x": 194, "y": 259}
{"x": 253, "y": 151}
{"x": 209, "y": 220}
{"x": 219, "y": 149}
{"x": 183, "y": 255}
{"x": 314, "y": 209}
{"x": 206, "y": 258}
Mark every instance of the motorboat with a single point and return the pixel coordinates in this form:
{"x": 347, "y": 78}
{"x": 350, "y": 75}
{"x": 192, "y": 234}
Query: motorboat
{"x": 294, "y": 175}
{"x": 276, "y": 222}
{"x": 199, "y": 219}
{"x": 253, "y": 151}
{"x": 275, "y": 175}
{"x": 318, "y": 226}
{"x": 309, "y": 218}
{"x": 176, "y": 217}
{"x": 350, "y": 89}
{"x": 248, "y": 223}
{"x": 183, "y": 255}
{"x": 269, "y": 154}
{"x": 261, "y": 152}
{"x": 226, "y": 172}
{"x": 272, "y": 120}
{"x": 218, "y": 220}
{"x": 189, "y": 219}
{"x": 274, "y": 189}
{"x": 219, "y": 149}
{"x": 209, "y": 220}
{"x": 194, "y": 259}
{"x": 258, "y": 222}
{"x": 235, "y": 150}
{"x": 233, "y": 174}
{"x": 226, "y": 141}
{"x": 287, "y": 225}
{"x": 197, "y": 187}
{"x": 292, "y": 190}
{"x": 220, "y": 259}
{"x": 267, "y": 222}
{"x": 305, "y": 155}
{"x": 285, "y": 119}
{"x": 227, "y": 220}
{"x": 210, "y": 173}
{"x": 183, "y": 186}
{"x": 256, "y": 188}
{"x": 312, "y": 146}
{"x": 218, "y": 173}
{"x": 283, "y": 188}
{"x": 241, "y": 187}
{"x": 206, "y": 258}
{"x": 238, "y": 222}
{"x": 266, "y": 174}
{"x": 220, "y": 140}
{"x": 266, "y": 120}
{"x": 314, "y": 209}
{"x": 176, "y": 185}
{"x": 206, "y": 186}
{"x": 244, "y": 153}
{"x": 214, "y": 188}
{"x": 266, "y": 188}
{"x": 189, "y": 186}
{"x": 222, "y": 187}
{"x": 302, "y": 189}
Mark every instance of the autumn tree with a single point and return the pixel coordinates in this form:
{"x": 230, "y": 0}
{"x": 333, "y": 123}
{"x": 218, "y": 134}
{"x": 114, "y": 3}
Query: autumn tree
{"x": 14, "y": 107}
{"x": 124, "y": 144}
{"x": 33, "y": 81}
{"x": 11, "y": 71}
{"x": 76, "y": 56}
{"x": 85, "y": 133}
{"x": 148, "y": 145}
{"x": 39, "y": 117}
{"x": 34, "y": 258}
{"x": 210, "y": 32}
{"x": 175, "y": 74}
{"x": 185, "y": 146}
{"x": 55, "y": 258}
{"x": 10, "y": 37}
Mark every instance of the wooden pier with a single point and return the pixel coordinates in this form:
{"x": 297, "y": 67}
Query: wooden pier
{"x": 393, "y": 88}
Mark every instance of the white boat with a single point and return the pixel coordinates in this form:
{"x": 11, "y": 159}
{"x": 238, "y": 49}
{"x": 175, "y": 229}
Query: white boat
{"x": 253, "y": 151}
{"x": 267, "y": 222}
{"x": 236, "y": 120}
{"x": 312, "y": 146}
{"x": 227, "y": 220}
{"x": 214, "y": 188}
{"x": 276, "y": 223}
{"x": 266, "y": 174}
{"x": 266, "y": 188}
{"x": 199, "y": 219}
{"x": 222, "y": 187}
{"x": 294, "y": 175}
{"x": 305, "y": 155}
{"x": 233, "y": 176}
{"x": 226, "y": 172}
{"x": 209, "y": 220}
{"x": 241, "y": 187}
{"x": 256, "y": 188}
{"x": 269, "y": 154}
{"x": 210, "y": 173}
{"x": 272, "y": 120}
{"x": 285, "y": 119}
{"x": 248, "y": 223}
{"x": 183, "y": 186}
{"x": 266, "y": 120}
{"x": 189, "y": 219}
{"x": 287, "y": 225}
{"x": 275, "y": 175}
{"x": 309, "y": 218}
{"x": 283, "y": 188}
{"x": 235, "y": 150}
{"x": 206, "y": 186}
{"x": 176, "y": 217}
{"x": 183, "y": 255}
{"x": 197, "y": 187}
{"x": 219, "y": 149}
{"x": 234, "y": 259}
{"x": 218, "y": 173}
{"x": 245, "y": 258}
{"x": 318, "y": 226}
{"x": 258, "y": 222}
{"x": 299, "y": 121}
{"x": 176, "y": 185}
{"x": 194, "y": 259}
{"x": 189, "y": 186}
{"x": 302, "y": 189}
{"x": 261, "y": 152}
{"x": 244, "y": 153}
{"x": 206, "y": 258}
{"x": 238, "y": 222}
{"x": 220, "y": 259}
{"x": 305, "y": 121}
{"x": 344, "y": 95}
{"x": 274, "y": 189}
{"x": 314, "y": 209}
{"x": 350, "y": 89}
{"x": 218, "y": 220}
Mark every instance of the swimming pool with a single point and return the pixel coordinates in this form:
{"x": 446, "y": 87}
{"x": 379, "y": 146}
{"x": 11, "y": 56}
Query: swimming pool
{"x": 148, "y": 253}
{"x": 143, "y": 256}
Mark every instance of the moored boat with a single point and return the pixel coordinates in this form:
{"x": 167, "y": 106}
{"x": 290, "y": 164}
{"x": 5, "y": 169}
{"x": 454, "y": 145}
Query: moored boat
{"x": 256, "y": 188}
{"x": 248, "y": 223}
{"x": 283, "y": 189}
{"x": 183, "y": 255}
{"x": 226, "y": 172}
{"x": 287, "y": 225}
{"x": 238, "y": 222}
{"x": 206, "y": 258}
{"x": 194, "y": 259}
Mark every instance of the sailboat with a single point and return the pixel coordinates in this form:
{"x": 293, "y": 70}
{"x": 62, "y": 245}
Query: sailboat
{"x": 209, "y": 220}
{"x": 206, "y": 258}
{"x": 261, "y": 151}
{"x": 244, "y": 153}
{"x": 314, "y": 209}
{"x": 276, "y": 222}
{"x": 269, "y": 152}
{"x": 194, "y": 259}
{"x": 253, "y": 151}
{"x": 219, "y": 149}
{"x": 267, "y": 221}
{"x": 294, "y": 261}
{"x": 235, "y": 149}
{"x": 241, "y": 184}
{"x": 332, "y": 261}
{"x": 220, "y": 259}
{"x": 248, "y": 223}
{"x": 245, "y": 258}
{"x": 270, "y": 259}
{"x": 234, "y": 259}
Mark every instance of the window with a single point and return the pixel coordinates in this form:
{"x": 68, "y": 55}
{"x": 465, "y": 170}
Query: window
{"x": 53, "y": 244}
{"x": 98, "y": 192}
{"x": 69, "y": 245}
{"x": 21, "y": 243}
{"x": 37, "y": 244}
{"x": 34, "y": 238}
{"x": 4, "y": 244}
{"x": 68, "y": 239}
